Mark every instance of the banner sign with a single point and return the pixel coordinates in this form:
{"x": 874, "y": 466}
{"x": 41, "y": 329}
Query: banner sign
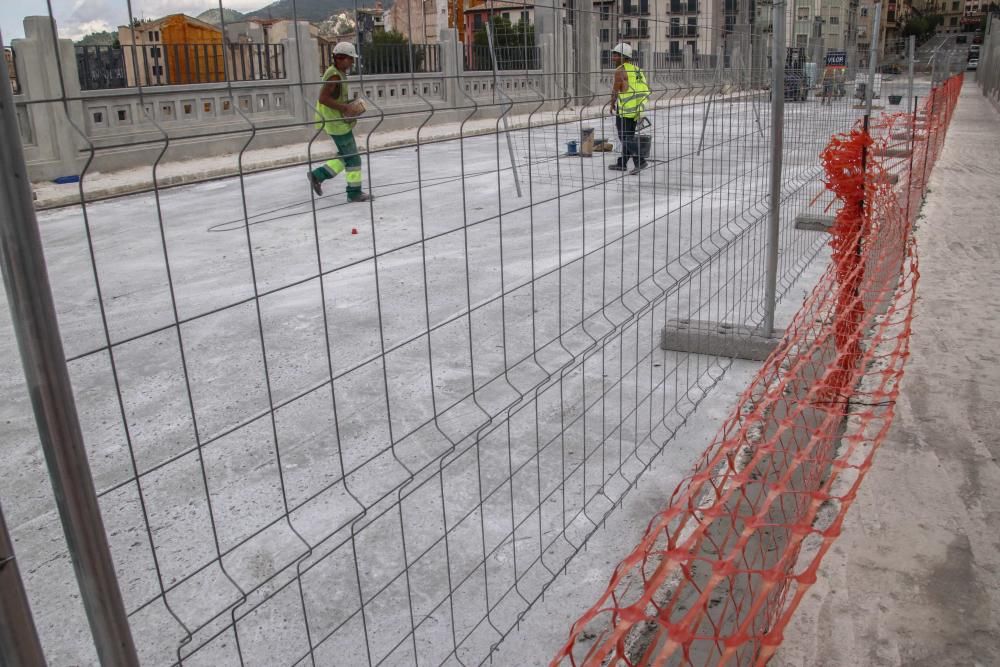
{"x": 836, "y": 58}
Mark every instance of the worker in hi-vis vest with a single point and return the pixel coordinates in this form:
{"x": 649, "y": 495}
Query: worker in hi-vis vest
{"x": 337, "y": 115}
{"x": 628, "y": 97}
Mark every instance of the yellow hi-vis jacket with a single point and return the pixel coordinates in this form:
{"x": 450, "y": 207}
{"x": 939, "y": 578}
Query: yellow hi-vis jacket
{"x": 330, "y": 120}
{"x": 632, "y": 100}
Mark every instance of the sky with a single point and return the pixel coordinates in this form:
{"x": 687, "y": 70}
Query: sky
{"x": 76, "y": 18}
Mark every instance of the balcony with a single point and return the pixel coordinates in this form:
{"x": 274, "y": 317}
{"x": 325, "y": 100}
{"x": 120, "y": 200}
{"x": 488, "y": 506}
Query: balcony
{"x": 635, "y": 33}
{"x": 640, "y": 8}
{"x": 683, "y": 7}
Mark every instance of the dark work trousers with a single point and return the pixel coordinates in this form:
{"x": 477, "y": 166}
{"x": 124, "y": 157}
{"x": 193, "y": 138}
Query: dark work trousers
{"x": 630, "y": 146}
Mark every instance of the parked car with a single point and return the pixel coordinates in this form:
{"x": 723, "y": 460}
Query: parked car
{"x": 973, "y": 64}
{"x": 961, "y": 39}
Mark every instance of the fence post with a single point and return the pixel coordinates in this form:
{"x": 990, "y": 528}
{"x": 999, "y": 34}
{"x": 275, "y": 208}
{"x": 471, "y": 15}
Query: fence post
{"x": 911, "y": 45}
{"x": 452, "y": 55}
{"x": 873, "y": 59}
{"x": 19, "y": 644}
{"x": 777, "y": 137}
{"x": 37, "y": 331}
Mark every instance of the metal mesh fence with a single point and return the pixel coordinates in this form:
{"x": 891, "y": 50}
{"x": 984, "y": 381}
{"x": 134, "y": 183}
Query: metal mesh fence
{"x": 330, "y": 433}
{"x": 988, "y": 62}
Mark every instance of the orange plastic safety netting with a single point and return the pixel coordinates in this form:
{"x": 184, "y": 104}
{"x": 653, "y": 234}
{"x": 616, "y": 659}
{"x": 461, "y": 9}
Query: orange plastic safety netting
{"x": 720, "y": 570}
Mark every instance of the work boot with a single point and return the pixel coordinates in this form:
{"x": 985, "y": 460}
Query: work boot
{"x": 316, "y": 185}
{"x": 359, "y": 197}
{"x": 639, "y": 167}
{"x": 617, "y": 166}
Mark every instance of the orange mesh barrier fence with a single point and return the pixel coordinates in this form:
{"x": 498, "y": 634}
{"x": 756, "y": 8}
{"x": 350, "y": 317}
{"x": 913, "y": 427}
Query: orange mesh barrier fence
{"x": 719, "y": 571}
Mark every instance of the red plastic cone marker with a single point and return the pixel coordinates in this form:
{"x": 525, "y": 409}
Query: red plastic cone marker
{"x": 354, "y": 230}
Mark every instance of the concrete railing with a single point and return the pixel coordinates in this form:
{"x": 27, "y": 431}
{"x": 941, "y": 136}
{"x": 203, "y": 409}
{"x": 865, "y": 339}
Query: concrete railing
{"x": 66, "y": 130}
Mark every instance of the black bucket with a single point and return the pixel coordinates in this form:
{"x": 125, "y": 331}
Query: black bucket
{"x": 645, "y": 145}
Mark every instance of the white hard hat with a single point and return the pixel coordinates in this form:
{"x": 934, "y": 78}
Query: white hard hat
{"x": 345, "y": 49}
{"x": 625, "y": 50}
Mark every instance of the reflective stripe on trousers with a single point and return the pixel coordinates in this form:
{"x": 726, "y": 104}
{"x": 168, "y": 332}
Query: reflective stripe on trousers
{"x": 348, "y": 161}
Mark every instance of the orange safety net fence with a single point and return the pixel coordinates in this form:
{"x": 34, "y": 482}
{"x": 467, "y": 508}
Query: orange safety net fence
{"x": 719, "y": 571}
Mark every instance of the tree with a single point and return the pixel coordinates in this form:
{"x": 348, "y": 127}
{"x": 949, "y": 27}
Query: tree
{"x": 506, "y": 34}
{"x": 922, "y": 26}
{"x": 389, "y": 37}
{"x": 513, "y": 44}
{"x": 102, "y": 38}
{"x": 390, "y": 52}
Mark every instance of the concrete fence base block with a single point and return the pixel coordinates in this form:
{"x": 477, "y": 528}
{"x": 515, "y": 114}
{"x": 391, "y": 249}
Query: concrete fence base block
{"x": 719, "y": 339}
{"x": 894, "y": 153}
{"x": 813, "y": 223}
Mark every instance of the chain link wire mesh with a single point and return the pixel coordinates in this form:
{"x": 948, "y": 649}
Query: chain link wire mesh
{"x": 374, "y": 434}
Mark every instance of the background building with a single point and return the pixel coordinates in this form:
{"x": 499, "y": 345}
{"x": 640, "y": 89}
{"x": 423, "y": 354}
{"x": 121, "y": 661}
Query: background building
{"x": 414, "y": 19}
{"x": 177, "y": 49}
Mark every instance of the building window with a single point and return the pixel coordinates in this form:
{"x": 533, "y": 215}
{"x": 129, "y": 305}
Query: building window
{"x": 524, "y": 18}
{"x": 605, "y": 12}
{"x": 953, "y": 21}
{"x": 157, "y": 70}
{"x": 835, "y": 20}
{"x": 606, "y": 59}
{"x": 692, "y": 26}
{"x": 730, "y": 6}
{"x": 477, "y": 21}
{"x": 675, "y": 6}
{"x": 643, "y": 28}
{"x": 154, "y": 52}
{"x": 605, "y": 35}
{"x": 692, "y": 5}
{"x": 506, "y": 15}
{"x": 675, "y": 28}
{"x": 675, "y": 50}
{"x": 803, "y": 13}
{"x": 954, "y": 6}
{"x": 864, "y": 11}
{"x": 801, "y": 40}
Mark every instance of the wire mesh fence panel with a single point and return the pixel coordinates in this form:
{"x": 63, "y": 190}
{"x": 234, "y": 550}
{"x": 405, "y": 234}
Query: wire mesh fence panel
{"x": 722, "y": 567}
{"x": 375, "y": 431}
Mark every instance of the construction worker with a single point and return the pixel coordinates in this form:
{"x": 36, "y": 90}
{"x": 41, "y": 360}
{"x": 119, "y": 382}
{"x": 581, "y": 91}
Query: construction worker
{"x": 337, "y": 115}
{"x": 828, "y": 82}
{"x": 628, "y": 97}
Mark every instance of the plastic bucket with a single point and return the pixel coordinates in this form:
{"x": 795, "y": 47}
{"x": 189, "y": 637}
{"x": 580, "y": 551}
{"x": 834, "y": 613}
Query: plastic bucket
{"x": 645, "y": 145}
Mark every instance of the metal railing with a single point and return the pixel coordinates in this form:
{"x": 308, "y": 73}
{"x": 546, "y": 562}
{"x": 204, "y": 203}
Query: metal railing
{"x": 108, "y": 67}
{"x": 480, "y": 59}
{"x": 391, "y": 58}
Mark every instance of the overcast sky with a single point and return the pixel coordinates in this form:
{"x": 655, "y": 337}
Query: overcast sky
{"x": 76, "y": 18}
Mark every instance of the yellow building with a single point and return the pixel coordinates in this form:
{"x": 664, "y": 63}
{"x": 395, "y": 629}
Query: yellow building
{"x": 175, "y": 49}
